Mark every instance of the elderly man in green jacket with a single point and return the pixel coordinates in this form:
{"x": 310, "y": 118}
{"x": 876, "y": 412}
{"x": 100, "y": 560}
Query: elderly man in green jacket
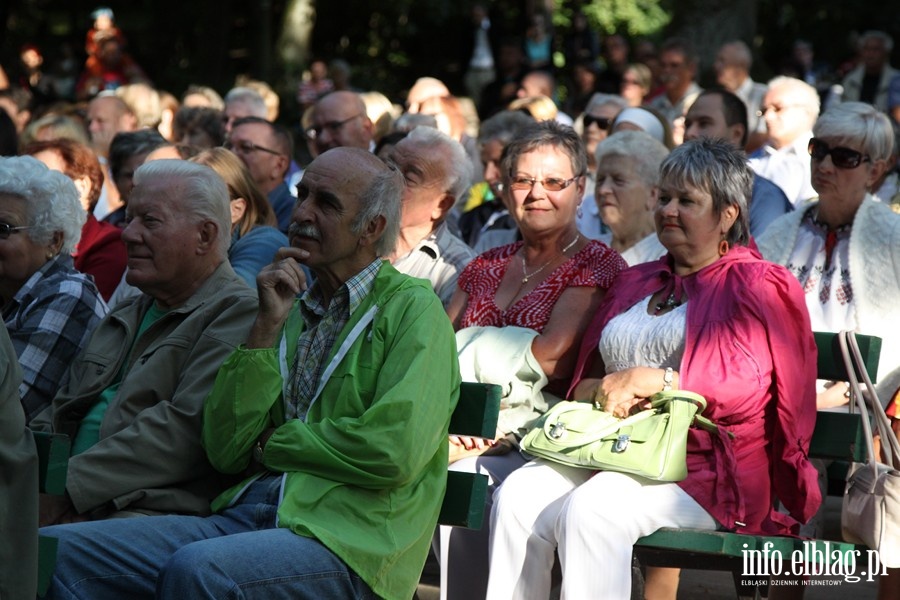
{"x": 338, "y": 404}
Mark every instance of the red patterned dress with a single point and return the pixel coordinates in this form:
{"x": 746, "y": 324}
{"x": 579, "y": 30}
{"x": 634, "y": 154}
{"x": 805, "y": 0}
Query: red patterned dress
{"x": 595, "y": 265}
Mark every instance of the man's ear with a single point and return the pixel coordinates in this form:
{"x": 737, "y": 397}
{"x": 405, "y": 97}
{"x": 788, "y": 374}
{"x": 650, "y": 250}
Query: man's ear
{"x": 373, "y": 231}
{"x": 208, "y": 237}
{"x": 443, "y": 207}
{"x": 737, "y": 134}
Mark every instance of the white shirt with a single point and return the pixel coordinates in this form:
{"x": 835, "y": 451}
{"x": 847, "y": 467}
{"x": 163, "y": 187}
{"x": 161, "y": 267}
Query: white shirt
{"x": 788, "y": 168}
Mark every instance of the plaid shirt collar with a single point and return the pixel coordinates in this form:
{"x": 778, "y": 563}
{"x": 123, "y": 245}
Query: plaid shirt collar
{"x": 349, "y": 295}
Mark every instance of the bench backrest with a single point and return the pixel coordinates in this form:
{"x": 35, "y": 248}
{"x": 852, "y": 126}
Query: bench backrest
{"x": 475, "y": 415}
{"x": 839, "y": 435}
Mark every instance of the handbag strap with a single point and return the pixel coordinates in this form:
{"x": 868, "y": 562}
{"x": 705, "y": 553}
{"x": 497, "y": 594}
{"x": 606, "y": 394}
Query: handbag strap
{"x": 889, "y": 442}
{"x": 865, "y": 400}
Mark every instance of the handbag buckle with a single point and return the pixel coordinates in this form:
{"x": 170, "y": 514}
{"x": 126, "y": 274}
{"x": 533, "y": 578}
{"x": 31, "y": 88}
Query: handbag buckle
{"x": 558, "y": 430}
{"x": 621, "y": 444}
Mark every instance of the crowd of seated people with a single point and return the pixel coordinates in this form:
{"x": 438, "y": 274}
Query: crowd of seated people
{"x": 254, "y": 339}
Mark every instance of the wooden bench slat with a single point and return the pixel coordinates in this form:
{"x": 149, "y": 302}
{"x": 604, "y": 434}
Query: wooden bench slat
{"x": 838, "y": 436}
{"x": 830, "y": 364}
{"x": 700, "y": 540}
{"x": 47, "y": 549}
{"x": 53, "y": 459}
{"x": 463, "y": 504}
{"x": 477, "y": 411}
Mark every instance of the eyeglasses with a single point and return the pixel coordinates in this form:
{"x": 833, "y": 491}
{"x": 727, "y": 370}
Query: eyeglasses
{"x": 248, "y": 147}
{"x": 843, "y": 158}
{"x": 551, "y": 184}
{"x": 775, "y": 108}
{"x": 601, "y": 122}
{"x": 332, "y": 126}
{"x": 6, "y": 230}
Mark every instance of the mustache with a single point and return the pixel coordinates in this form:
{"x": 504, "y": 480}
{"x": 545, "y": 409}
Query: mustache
{"x": 306, "y": 230}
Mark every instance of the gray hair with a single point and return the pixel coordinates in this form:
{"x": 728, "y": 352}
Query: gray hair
{"x": 599, "y": 99}
{"x": 503, "y": 126}
{"x": 52, "y": 201}
{"x": 250, "y": 98}
{"x": 857, "y": 124}
{"x": 881, "y": 36}
{"x": 718, "y": 169}
{"x": 541, "y": 135}
{"x": 742, "y": 54}
{"x": 646, "y": 152}
{"x": 382, "y": 198}
{"x": 204, "y": 194}
{"x": 459, "y": 168}
{"x": 126, "y": 144}
{"x": 808, "y": 95}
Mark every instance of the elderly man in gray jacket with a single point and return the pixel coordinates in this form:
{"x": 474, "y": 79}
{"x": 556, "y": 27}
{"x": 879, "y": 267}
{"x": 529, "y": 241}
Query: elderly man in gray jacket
{"x": 134, "y": 400}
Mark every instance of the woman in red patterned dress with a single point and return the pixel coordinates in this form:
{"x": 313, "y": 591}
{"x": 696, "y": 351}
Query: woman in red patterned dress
{"x": 551, "y": 283}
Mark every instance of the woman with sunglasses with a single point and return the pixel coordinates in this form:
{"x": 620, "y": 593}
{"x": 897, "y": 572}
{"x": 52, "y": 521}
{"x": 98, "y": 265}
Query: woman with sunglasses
{"x": 524, "y": 305}
{"x": 711, "y": 317}
{"x": 49, "y": 308}
{"x": 595, "y": 125}
{"x": 845, "y": 249}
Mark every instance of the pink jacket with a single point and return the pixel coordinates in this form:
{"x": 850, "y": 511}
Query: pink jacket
{"x": 750, "y": 351}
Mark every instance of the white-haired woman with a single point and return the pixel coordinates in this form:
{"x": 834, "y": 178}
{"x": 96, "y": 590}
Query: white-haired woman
{"x": 49, "y": 308}
{"x": 626, "y": 193}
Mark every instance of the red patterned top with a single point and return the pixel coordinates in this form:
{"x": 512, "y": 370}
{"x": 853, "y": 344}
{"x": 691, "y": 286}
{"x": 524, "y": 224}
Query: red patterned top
{"x": 595, "y": 265}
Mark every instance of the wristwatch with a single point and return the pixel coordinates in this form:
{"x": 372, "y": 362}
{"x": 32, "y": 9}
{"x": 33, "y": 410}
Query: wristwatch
{"x": 668, "y": 378}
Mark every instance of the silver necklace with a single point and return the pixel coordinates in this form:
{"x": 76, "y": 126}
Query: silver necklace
{"x": 527, "y": 276}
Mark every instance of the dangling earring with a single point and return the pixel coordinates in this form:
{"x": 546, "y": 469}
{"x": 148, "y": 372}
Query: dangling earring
{"x": 724, "y": 247}
{"x": 579, "y": 211}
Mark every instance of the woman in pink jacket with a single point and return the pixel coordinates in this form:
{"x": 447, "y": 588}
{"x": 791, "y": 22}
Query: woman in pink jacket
{"x": 711, "y": 317}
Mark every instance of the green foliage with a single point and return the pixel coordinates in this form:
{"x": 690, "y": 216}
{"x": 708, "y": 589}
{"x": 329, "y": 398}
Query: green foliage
{"x": 631, "y": 17}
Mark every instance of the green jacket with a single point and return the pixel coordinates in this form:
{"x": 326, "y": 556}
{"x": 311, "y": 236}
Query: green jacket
{"x": 366, "y": 471}
{"x": 149, "y": 458}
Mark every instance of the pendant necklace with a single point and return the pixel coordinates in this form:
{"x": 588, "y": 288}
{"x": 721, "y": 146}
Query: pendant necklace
{"x": 527, "y": 275}
{"x": 668, "y": 303}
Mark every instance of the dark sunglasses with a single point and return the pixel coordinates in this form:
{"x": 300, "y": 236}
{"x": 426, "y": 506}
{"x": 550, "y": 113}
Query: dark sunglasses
{"x": 602, "y": 122}
{"x": 6, "y": 230}
{"x": 843, "y": 158}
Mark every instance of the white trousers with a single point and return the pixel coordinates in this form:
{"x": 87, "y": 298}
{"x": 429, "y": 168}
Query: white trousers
{"x": 594, "y": 520}
{"x": 463, "y": 553}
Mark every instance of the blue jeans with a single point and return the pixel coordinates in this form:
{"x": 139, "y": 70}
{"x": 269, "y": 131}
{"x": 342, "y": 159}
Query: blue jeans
{"x": 238, "y": 553}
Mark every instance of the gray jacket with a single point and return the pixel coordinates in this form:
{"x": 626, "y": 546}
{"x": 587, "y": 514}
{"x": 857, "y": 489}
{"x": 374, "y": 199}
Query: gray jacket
{"x": 149, "y": 458}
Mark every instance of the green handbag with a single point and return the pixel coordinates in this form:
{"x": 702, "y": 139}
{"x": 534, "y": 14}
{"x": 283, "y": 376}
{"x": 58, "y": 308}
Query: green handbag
{"x": 651, "y": 443}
